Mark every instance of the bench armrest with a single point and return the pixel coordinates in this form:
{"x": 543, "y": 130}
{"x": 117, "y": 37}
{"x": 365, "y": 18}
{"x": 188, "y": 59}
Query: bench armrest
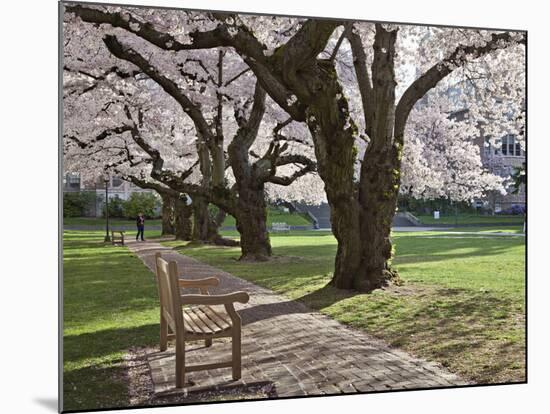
{"x": 241, "y": 297}
{"x": 198, "y": 283}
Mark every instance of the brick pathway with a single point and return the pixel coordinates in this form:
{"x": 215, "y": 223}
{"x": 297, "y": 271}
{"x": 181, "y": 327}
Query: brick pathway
{"x": 298, "y": 351}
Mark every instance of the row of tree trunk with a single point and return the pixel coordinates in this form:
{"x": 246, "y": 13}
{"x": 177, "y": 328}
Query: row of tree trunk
{"x": 192, "y": 221}
{"x": 176, "y": 217}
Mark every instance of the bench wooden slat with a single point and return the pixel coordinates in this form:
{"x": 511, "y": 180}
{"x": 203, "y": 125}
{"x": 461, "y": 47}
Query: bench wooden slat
{"x": 205, "y": 320}
{"x": 191, "y": 324}
{"x": 199, "y": 311}
{"x": 216, "y": 318}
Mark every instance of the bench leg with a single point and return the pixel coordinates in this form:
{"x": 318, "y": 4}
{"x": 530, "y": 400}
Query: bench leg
{"x": 180, "y": 364}
{"x": 208, "y": 343}
{"x": 163, "y": 333}
{"x": 236, "y": 352}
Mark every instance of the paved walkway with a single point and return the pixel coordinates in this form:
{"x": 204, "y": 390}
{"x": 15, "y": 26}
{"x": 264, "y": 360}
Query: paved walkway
{"x": 285, "y": 344}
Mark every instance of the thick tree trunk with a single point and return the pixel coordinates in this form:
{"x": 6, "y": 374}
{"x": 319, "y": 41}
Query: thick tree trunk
{"x": 342, "y": 199}
{"x": 252, "y": 225}
{"x": 251, "y": 211}
{"x": 201, "y": 218}
{"x": 327, "y": 117}
{"x": 183, "y": 223}
{"x": 380, "y": 171}
{"x": 167, "y": 214}
{"x": 206, "y": 226}
{"x": 378, "y": 200}
{"x": 361, "y": 213}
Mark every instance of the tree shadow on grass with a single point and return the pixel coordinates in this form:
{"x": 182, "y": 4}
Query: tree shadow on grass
{"x": 95, "y": 387}
{"x": 477, "y": 334}
{"x": 315, "y": 300}
{"x": 409, "y": 250}
{"x": 327, "y": 296}
{"x": 108, "y": 341}
{"x": 474, "y": 333}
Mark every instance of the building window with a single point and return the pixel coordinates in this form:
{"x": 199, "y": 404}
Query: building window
{"x": 509, "y": 146}
{"x": 72, "y": 180}
{"x": 117, "y": 182}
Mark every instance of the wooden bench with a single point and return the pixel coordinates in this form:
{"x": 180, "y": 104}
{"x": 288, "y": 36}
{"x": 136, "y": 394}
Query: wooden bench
{"x": 280, "y": 227}
{"x": 119, "y": 238}
{"x": 194, "y": 317}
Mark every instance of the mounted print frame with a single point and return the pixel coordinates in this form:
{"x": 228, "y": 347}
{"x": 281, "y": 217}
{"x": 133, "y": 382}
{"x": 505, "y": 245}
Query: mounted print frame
{"x": 266, "y": 206}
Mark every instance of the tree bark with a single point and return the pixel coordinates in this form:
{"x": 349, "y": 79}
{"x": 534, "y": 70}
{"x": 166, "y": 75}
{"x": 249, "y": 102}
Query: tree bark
{"x": 183, "y": 223}
{"x": 167, "y": 215}
{"x": 378, "y": 200}
{"x": 252, "y": 225}
{"x": 341, "y": 197}
{"x": 327, "y": 120}
{"x": 380, "y": 171}
{"x": 201, "y": 218}
{"x": 251, "y": 211}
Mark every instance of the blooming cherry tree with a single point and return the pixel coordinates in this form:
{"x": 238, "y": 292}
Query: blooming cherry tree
{"x": 358, "y": 138}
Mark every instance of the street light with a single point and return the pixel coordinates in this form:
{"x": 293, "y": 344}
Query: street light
{"x": 106, "y": 181}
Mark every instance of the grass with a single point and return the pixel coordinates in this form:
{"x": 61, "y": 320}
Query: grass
{"x": 471, "y": 219}
{"x": 514, "y": 229}
{"x": 110, "y": 304}
{"x": 462, "y": 303}
{"x": 273, "y": 216}
{"x": 100, "y": 221}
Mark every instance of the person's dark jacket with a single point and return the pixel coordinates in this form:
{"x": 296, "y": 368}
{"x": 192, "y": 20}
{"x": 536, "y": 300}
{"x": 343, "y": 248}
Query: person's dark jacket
{"x": 140, "y": 221}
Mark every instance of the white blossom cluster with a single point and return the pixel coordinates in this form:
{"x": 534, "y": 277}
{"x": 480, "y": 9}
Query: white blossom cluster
{"x": 439, "y": 157}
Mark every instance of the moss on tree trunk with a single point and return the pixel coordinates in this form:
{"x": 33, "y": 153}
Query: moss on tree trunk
{"x": 167, "y": 215}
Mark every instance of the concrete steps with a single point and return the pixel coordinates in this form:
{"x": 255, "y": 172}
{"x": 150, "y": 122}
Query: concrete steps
{"x": 322, "y": 214}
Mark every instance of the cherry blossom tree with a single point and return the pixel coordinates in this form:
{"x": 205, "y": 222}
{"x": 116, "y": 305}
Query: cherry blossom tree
{"x": 296, "y": 62}
{"x": 97, "y": 139}
{"x": 217, "y": 105}
{"x": 441, "y": 158}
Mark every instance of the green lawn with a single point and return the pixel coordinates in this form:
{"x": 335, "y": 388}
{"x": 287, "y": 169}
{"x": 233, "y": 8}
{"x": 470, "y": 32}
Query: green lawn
{"x": 462, "y": 303}
{"x": 110, "y": 305}
{"x": 100, "y": 221}
{"x": 514, "y": 229}
{"x": 273, "y": 216}
{"x": 276, "y": 216}
{"x": 471, "y": 219}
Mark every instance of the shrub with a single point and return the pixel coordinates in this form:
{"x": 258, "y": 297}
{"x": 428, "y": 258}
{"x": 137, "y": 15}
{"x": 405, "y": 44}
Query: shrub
{"x": 146, "y": 203}
{"x": 77, "y": 204}
{"x": 515, "y": 210}
{"x": 117, "y": 207}
{"x": 443, "y": 205}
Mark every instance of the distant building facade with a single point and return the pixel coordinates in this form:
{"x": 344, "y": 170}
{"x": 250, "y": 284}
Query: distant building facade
{"x": 116, "y": 188}
{"x": 501, "y": 159}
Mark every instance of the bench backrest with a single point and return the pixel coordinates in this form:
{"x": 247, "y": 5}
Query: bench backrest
{"x": 279, "y": 226}
{"x": 169, "y": 293}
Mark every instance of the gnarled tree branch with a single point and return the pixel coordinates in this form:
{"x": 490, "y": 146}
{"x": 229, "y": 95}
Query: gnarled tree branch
{"x": 460, "y": 56}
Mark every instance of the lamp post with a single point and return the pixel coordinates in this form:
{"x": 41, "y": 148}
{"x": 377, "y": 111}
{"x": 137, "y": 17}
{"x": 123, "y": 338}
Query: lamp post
{"x": 107, "y": 238}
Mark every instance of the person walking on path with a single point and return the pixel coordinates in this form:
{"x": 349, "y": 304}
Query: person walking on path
{"x": 140, "y": 222}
